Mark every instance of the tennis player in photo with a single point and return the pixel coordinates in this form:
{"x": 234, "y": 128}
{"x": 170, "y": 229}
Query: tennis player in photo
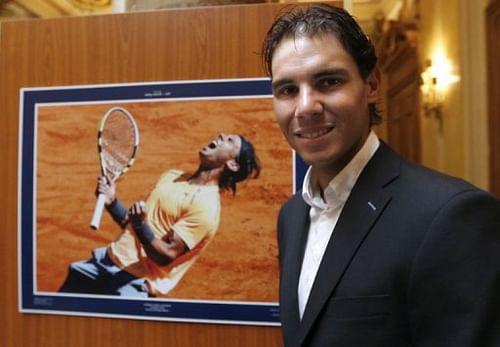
{"x": 164, "y": 235}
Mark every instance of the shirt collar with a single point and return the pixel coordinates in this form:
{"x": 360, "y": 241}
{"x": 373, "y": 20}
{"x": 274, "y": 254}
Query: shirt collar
{"x": 340, "y": 186}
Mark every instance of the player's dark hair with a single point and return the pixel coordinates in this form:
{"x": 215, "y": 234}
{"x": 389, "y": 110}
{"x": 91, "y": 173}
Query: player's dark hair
{"x": 318, "y": 19}
{"x": 249, "y": 167}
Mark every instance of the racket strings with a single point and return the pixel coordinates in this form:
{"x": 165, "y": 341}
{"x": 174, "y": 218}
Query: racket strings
{"x": 118, "y": 143}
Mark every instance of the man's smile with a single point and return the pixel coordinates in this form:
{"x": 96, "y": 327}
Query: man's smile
{"x": 313, "y": 133}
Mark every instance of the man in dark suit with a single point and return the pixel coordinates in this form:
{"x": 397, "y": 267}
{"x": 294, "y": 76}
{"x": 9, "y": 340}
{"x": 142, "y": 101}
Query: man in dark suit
{"x": 375, "y": 250}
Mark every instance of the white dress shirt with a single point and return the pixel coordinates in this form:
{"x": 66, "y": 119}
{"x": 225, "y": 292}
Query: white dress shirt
{"x": 324, "y": 213}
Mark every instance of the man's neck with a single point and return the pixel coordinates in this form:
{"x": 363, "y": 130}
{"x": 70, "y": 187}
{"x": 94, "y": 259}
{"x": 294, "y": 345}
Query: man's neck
{"x": 206, "y": 177}
{"x": 323, "y": 174}
{"x": 322, "y": 177}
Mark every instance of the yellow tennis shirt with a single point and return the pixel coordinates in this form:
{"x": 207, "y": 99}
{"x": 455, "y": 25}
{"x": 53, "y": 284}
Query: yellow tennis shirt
{"x": 191, "y": 211}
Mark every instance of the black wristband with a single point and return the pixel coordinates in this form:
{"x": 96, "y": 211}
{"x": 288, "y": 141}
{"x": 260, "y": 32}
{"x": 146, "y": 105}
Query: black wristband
{"x": 118, "y": 212}
{"x": 144, "y": 233}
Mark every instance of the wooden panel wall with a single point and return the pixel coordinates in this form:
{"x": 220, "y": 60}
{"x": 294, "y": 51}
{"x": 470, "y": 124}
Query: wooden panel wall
{"x": 203, "y": 43}
{"x": 401, "y": 79}
{"x": 493, "y": 47}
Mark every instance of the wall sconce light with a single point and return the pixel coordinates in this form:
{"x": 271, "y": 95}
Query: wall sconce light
{"x": 436, "y": 79}
{"x": 432, "y": 99}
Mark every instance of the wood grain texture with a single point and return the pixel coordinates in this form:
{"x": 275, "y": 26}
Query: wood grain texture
{"x": 493, "y": 53}
{"x": 401, "y": 79}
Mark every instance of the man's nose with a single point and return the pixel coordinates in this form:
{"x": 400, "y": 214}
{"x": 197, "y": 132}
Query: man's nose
{"x": 308, "y": 103}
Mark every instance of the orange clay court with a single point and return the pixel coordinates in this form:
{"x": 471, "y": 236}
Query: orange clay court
{"x": 240, "y": 264}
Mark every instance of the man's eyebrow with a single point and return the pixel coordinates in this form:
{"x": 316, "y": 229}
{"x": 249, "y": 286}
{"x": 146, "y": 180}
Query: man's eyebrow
{"x": 331, "y": 72}
{"x": 338, "y": 72}
{"x": 278, "y": 83}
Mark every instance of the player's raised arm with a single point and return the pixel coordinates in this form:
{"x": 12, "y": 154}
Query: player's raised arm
{"x": 107, "y": 188}
{"x": 161, "y": 251}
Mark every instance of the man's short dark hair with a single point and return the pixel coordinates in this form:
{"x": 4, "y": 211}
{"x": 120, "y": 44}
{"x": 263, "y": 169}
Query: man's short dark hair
{"x": 249, "y": 167}
{"x": 319, "y": 19}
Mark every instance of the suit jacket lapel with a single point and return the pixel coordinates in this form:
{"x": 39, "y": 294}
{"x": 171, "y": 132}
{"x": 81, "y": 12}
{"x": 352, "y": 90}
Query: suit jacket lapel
{"x": 365, "y": 204}
{"x": 296, "y": 230}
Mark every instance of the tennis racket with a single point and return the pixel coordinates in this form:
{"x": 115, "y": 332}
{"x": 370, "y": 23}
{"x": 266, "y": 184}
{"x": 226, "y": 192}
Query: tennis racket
{"x": 117, "y": 143}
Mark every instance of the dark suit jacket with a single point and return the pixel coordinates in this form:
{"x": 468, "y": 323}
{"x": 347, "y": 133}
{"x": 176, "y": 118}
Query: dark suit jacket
{"x": 414, "y": 260}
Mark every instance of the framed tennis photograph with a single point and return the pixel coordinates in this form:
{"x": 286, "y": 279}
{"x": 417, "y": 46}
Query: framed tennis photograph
{"x": 153, "y": 201}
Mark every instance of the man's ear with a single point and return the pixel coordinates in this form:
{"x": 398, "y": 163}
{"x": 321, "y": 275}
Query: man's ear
{"x": 232, "y": 165}
{"x": 373, "y": 85}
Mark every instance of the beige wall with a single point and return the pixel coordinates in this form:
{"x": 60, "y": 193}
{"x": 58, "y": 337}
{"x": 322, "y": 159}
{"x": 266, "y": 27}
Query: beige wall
{"x": 458, "y": 144}
{"x": 473, "y": 32}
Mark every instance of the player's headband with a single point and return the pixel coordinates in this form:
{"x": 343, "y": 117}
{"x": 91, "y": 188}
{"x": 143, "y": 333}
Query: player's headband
{"x": 246, "y": 160}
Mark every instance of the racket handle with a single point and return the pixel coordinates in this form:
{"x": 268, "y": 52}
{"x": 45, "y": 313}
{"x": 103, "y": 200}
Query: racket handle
{"x": 99, "y": 207}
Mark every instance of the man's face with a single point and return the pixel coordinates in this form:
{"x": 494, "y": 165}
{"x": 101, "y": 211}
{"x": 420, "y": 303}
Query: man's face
{"x": 321, "y": 101}
{"x": 223, "y": 150}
